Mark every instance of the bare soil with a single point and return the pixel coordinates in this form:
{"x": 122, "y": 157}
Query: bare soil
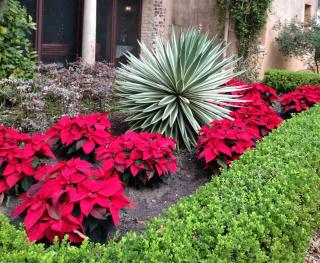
{"x": 151, "y": 201}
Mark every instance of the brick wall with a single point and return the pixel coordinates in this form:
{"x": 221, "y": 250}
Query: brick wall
{"x": 154, "y": 20}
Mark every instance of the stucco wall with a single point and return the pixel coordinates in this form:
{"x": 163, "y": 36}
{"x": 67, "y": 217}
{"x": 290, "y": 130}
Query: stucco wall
{"x": 282, "y": 10}
{"x": 199, "y": 14}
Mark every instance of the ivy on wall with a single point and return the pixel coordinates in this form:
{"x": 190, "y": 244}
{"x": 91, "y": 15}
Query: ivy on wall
{"x": 250, "y": 17}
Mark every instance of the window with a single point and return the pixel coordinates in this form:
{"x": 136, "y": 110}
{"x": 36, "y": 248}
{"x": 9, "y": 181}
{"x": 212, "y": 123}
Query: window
{"x": 104, "y": 30}
{"x": 128, "y": 28}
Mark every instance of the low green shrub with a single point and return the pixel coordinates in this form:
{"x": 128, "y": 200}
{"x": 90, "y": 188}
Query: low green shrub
{"x": 264, "y": 208}
{"x": 285, "y": 81}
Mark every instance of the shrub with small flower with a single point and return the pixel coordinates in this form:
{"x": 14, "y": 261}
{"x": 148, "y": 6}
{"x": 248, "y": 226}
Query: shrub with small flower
{"x": 79, "y": 136}
{"x": 142, "y": 156}
{"x": 301, "y": 99}
{"x": 34, "y": 105}
{"x": 224, "y": 141}
{"x": 71, "y": 198}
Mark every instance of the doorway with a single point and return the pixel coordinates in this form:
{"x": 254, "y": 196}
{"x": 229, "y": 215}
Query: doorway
{"x": 59, "y": 29}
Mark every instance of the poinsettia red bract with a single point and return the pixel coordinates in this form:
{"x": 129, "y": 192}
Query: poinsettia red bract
{"x": 66, "y": 194}
{"x": 224, "y": 141}
{"x": 301, "y": 99}
{"x": 255, "y": 91}
{"x": 81, "y": 132}
{"x": 19, "y": 156}
{"x": 258, "y": 115}
{"x": 145, "y": 154}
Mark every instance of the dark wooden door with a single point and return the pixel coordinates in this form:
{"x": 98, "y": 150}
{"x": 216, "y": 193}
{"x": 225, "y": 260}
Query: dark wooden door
{"x": 60, "y": 30}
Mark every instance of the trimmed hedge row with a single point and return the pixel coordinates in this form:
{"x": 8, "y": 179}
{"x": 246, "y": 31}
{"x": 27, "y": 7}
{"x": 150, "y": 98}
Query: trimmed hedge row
{"x": 264, "y": 208}
{"x": 286, "y": 81}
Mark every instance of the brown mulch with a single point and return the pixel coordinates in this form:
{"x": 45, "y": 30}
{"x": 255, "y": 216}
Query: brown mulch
{"x": 150, "y": 202}
{"x": 313, "y": 255}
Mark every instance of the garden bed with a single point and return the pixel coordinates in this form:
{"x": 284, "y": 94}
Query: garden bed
{"x": 263, "y": 208}
{"x": 121, "y": 154}
{"x": 87, "y": 172}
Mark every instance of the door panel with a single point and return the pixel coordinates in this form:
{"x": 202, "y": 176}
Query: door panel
{"x": 104, "y": 30}
{"x": 59, "y": 30}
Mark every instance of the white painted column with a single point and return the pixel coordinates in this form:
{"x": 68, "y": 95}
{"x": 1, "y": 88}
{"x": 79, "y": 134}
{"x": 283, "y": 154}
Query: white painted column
{"x": 89, "y": 32}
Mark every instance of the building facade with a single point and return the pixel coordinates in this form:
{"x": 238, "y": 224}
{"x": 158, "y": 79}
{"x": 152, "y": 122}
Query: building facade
{"x": 103, "y": 30}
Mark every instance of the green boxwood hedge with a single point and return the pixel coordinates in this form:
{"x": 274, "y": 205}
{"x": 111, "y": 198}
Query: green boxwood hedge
{"x": 286, "y": 81}
{"x": 264, "y": 208}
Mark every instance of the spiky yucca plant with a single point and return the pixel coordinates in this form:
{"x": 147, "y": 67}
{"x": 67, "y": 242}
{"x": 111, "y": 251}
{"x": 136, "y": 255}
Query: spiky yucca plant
{"x": 176, "y": 88}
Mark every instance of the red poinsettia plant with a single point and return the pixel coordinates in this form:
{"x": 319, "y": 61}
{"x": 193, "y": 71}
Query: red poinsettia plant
{"x": 79, "y": 136}
{"x": 224, "y": 141}
{"x": 74, "y": 196}
{"x": 300, "y": 99}
{"x": 258, "y": 115}
{"x": 71, "y": 198}
{"x": 236, "y": 82}
{"x": 143, "y": 156}
{"x": 256, "y": 91}
{"x": 20, "y": 156}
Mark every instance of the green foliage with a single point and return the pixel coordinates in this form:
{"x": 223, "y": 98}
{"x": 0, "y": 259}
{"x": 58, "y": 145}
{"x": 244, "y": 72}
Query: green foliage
{"x": 301, "y": 40}
{"x": 176, "y": 89}
{"x": 264, "y": 208}
{"x": 250, "y": 18}
{"x": 17, "y": 59}
{"x": 286, "y": 81}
